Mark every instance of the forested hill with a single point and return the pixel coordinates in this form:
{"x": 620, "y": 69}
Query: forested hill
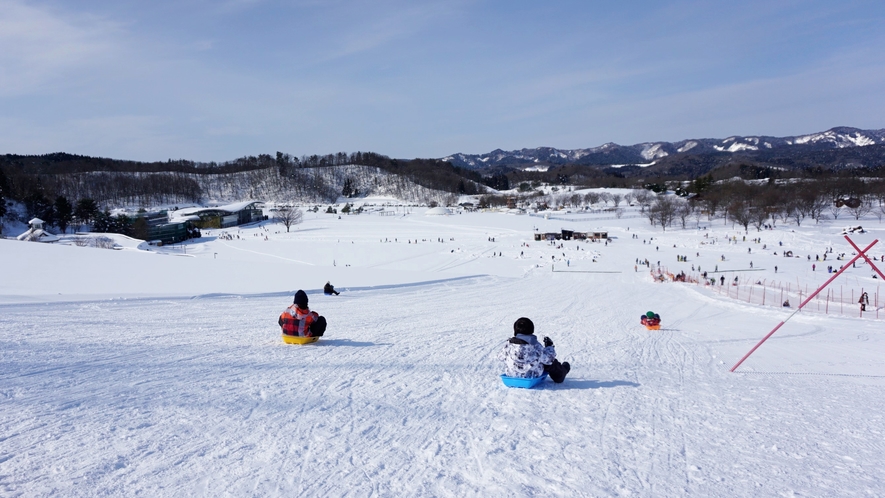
{"x": 38, "y": 179}
{"x": 279, "y": 177}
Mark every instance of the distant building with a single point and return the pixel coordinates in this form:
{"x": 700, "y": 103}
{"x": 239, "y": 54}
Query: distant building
{"x": 231, "y": 215}
{"x": 36, "y": 233}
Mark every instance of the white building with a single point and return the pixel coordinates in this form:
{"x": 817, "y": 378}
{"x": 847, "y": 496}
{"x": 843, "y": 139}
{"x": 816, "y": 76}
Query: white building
{"x": 36, "y": 233}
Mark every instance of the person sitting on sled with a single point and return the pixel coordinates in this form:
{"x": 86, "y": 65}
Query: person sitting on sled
{"x": 329, "y": 289}
{"x": 298, "y": 320}
{"x": 650, "y": 319}
{"x": 524, "y": 357}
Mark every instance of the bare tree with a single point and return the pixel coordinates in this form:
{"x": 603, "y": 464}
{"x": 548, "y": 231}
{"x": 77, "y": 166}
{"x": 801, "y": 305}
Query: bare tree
{"x": 862, "y": 209}
{"x": 103, "y": 242}
{"x": 793, "y": 211}
{"x": 698, "y": 214}
{"x": 758, "y": 216}
{"x": 616, "y": 199}
{"x": 288, "y": 216}
{"x": 575, "y": 200}
{"x": 835, "y": 210}
{"x": 645, "y": 199}
{"x": 740, "y": 214}
{"x": 684, "y": 209}
{"x": 663, "y": 211}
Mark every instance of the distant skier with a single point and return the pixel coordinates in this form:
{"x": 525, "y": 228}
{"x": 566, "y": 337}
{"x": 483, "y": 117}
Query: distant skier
{"x": 525, "y": 357}
{"x": 329, "y": 289}
{"x": 298, "y": 320}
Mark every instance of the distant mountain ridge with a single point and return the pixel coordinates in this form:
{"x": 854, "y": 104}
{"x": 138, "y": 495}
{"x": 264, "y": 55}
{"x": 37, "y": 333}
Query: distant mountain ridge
{"x": 646, "y": 154}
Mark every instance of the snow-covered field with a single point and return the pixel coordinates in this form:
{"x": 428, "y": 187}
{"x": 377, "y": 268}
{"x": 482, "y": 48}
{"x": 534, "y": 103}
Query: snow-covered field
{"x": 133, "y": 373}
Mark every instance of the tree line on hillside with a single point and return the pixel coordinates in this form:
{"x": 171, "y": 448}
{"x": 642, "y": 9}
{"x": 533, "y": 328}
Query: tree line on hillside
{"x": 743, "y": 203}
{"x": 114, "y": 182}
{"x": 65, "y": 190}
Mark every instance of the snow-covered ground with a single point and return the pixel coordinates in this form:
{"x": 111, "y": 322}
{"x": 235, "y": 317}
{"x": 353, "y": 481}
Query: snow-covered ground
{"x": 162, "y": 373}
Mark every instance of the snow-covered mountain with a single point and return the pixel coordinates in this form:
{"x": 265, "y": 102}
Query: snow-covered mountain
{"x": 613, "y": 154}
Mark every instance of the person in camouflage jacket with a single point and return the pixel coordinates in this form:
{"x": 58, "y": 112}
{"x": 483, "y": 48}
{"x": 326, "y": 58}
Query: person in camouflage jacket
{"x": 525, "y": 357}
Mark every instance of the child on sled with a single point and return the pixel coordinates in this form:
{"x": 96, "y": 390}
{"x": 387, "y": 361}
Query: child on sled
{"x": 298, "y": 320}
{"x": 650, "y": 319}
{"x": 525, "y": 357}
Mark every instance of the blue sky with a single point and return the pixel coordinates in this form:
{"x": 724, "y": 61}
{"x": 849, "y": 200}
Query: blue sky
{"x": 215, "y": 80}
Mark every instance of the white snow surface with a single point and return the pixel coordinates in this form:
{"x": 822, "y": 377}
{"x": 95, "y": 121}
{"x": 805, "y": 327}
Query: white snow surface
{"x": 735, "y": 147}
{"x": 840, "y": 140}
{"x": 162, "y": 372}
{"x": 653, "y": 151}
{"x": 688, "y": 146}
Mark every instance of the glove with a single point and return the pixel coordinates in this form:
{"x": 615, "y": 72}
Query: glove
{"x": 547, "y": 342}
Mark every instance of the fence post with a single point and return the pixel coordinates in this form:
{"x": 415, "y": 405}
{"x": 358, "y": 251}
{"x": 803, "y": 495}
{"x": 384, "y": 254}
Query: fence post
{"x": 827, "y": 309}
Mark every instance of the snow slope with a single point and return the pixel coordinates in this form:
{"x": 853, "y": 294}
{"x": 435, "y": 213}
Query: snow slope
{"x": 127, "y": 373}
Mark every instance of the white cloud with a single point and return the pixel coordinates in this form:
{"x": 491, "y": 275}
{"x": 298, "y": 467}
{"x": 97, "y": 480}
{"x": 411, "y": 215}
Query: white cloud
{"x": 38, "y": 46}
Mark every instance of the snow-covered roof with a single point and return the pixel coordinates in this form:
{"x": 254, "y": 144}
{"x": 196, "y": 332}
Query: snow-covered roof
{"x": 191, "y": 213}
{"x": 237, "y": 206}
{"x": 38, "y": 235}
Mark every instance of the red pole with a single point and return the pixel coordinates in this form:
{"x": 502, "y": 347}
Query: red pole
{"x": 736, "y": 365}
{"x": 862, "y": 253}
{"x": 758, "y": 344}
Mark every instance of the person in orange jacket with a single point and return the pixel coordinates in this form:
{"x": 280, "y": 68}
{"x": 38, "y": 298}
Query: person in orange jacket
{"x": 298, "y": 320}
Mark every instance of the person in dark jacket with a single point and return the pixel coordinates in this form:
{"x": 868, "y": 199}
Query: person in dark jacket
{"x": 525, "y": 357}
{"x": 329, "y": 289}
{"x": 298, "y": 320}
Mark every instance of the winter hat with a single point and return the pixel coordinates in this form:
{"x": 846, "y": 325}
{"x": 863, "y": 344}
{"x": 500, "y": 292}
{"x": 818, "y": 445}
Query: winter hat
{"x": 301, "y": 299}
{"x": 650, "y": 314}
{"x": 523, "y": 326}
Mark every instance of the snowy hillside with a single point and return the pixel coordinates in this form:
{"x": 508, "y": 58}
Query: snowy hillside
{"x": 162, "y": 372}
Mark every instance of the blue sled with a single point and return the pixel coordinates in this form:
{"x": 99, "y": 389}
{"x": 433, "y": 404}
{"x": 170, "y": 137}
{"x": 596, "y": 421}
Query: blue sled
{"x": 521, "y": 382}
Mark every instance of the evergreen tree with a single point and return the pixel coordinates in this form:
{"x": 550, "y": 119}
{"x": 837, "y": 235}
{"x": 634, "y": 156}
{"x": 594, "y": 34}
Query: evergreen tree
{"x": 140, "y": 228}
{"x": 101, "y": 221}
{"x": 2, "y": 208}
{"x": 86, "y": 211}
{"x": 64, "y": 213}
{"x": 38, "y": 206}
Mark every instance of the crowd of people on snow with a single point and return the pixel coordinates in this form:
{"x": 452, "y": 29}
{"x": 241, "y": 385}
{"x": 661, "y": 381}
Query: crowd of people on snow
{"x": 523, "y": 355}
